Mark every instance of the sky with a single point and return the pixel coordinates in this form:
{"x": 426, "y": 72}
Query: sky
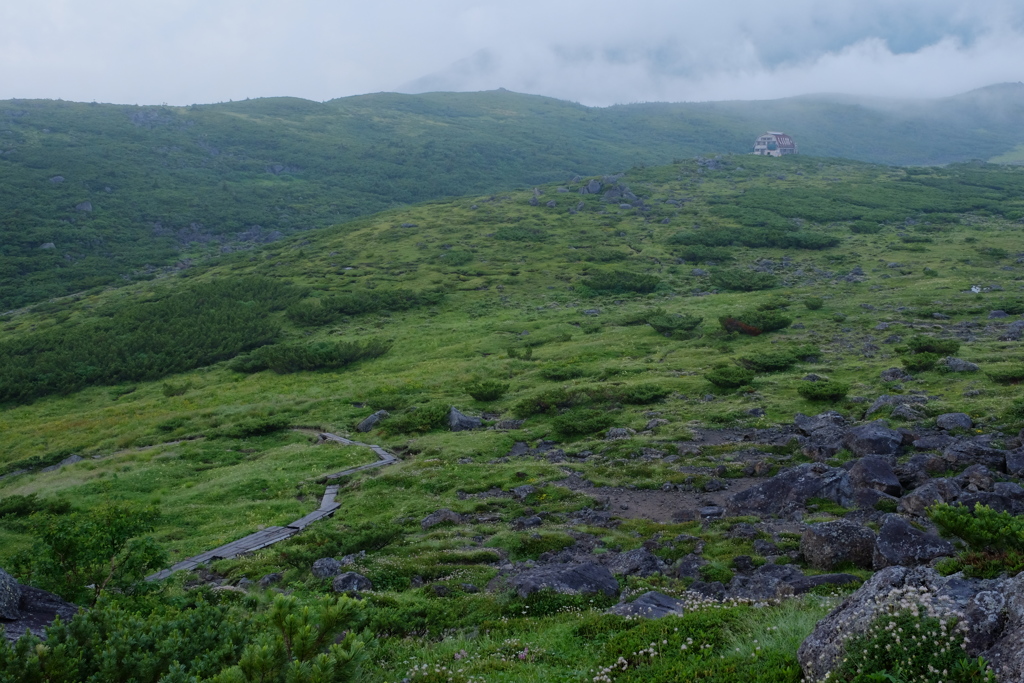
{"x": 597, "y": 52}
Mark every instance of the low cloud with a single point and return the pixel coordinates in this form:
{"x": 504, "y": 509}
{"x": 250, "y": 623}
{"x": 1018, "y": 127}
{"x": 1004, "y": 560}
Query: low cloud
{"x": 596, "y": 52}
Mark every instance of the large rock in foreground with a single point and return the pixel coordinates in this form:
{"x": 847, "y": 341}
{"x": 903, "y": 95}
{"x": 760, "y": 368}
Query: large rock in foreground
{"x": 36, "y": 610}
{"x": 651, "y": 605}
{"x": 990, "y": 612}
{"x": 899, "y": 543}
{"x": 570, "y": 579}
{"x": 10, "y": 596}
{"x": 831, "y": 544}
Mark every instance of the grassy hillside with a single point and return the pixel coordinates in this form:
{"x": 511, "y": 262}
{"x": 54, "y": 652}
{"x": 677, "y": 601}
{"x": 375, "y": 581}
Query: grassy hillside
{"x": 96, "y": 194}
{"x": 603, "y": 310}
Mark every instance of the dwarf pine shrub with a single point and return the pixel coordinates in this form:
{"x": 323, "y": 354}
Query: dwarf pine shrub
{"x": 922, "y": 344}
{"x": 813, "y": 303}
{"x": 735, "y": 279}
{"x": 582, "y": 421}
{"x": 730, "y": 377}
{"x": 920, "y": 362}
{"x": 826, "y": 390}
{"x": 487, "y": 390}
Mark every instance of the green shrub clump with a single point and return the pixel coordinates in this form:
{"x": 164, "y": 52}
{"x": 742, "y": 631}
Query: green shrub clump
{"x": 417, "y": 419}
{"x": 640, "y": 394}
{"x": 919, "y": 362}
{"x": 561, "y": 373}
{"x": 735, "y": 279}
{"x": 755, "y": 322}
{"x": 582, "y": 421}
{"x": 825, "y": 390}
{"x": 1011, "y": 376}
{"x": 292, "y": 357}
{"x": 942, "y": 347}
{"x": 668, "y": 324}
{"x": 699, "y": 253}
{"x": 619, "y": 282}
{"x": 777, "y": 361}
{"x": 995, "y": 540}
{"x": 325, "y": 310}
{"x": 814, "y": 303}
{"x": 487, "y": 390}
{"x": 730, "y": 377}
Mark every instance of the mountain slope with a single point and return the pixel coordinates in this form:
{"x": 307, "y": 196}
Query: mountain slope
{"x": 122, "y": 191}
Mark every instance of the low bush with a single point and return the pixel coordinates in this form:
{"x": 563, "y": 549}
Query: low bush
{"x": 518, "y": 233}
{"x": 919, "y": 362}
{"x": 865, "y": 228}
{"x": 620, "y": 282}
{"x": 22, "y": 506}
{"x": 325, "y": 310}
{"x": 1011, "y": 376}
{"x": 582, "y": 421}
{"x": 701, "y": 254}
{"x": 779, "y": 360}
{"x": 826, "y": 390}
{"x": 417, "y": 419}
{"x": 640, "y": 394}
{"x": 605, "y": 255}
{"x": 667, "y": 324}
{"x": 326, "y": 541}
{"x": 551, "y": 400}
{"x": 755, "y": 322}
{"x": 814, "y": 303}
{"x": 456, "y": 257}
{"x": 730, "y": 377}
{"x": 487, "y": 390}
{"x": 561, "y": 373}
{"x": 520, "y": 354}
{"x": 294, "y": 357}
{"x": 735, "y": 279}
{"x": 923, "y": 344}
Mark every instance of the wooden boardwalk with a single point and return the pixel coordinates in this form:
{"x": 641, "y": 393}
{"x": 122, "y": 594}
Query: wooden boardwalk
{"x": 271, "y": 535}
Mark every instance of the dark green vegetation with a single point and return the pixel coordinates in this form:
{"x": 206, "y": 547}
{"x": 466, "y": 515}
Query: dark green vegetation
{"x": 95, "y": 194}
{"x": 220, "y": 446}
{"x": 995, "y": 540}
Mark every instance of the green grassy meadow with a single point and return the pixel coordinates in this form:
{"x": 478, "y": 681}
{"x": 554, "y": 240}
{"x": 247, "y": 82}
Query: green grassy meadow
{"x": 554, "y": 304}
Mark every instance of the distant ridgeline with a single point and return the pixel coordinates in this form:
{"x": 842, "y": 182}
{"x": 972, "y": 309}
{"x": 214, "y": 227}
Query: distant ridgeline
{"x": 93, "y": 195}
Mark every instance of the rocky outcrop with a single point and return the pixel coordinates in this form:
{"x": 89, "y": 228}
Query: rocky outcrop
{"x": 873, "y": 438}
{"x": 639, "y": 562}
{"x": 570, "y": 579}
{"x": 949, "y": 421}
{"x": 351, "y": 583}
{"x": 789, "y": 490}
{"x": 25, "y": 608}
{"x": 326, "y": 567}
{"x": 440, "y": 517}
{"x": 899, "y": 543}
{"x": 372, "y": 421}
{"x": 875, "y": 472}
{"x": 458, "y": 422}
{"x": 651, "y": 605}
{"x": 10, "y": 596}
{"x": 990, "y": 615}
{"x": 831, "y": 544}
{"x": 824, "y": 433}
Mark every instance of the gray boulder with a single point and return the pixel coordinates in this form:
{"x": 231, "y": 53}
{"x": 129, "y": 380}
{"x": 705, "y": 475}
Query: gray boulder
{"x": 326, "y": 567}
{"x": 616, "y": 433}
{"x": 976, "y": 478}
{"x": 10, "y": 596}
{"x": 84, "y": 206}
{"x": 990, "y": 612}
{"x": 963, "y": 453}
{"x": 894, "y": 400}
{"x": 440, "y": 517}
{"x": 896, "y": 375}
{"x": 689, "y": 566}
{"x": 650, "y": 605}
{"x": 523, "y": 492}
{"x": 873, "y": 438}
{"x": 959, "y": 365}
{"x": 461, "y": 423}
{"x": 372, "y": 421}
{"x": 568, "y": 579}
{"x": 37, "y": 609}
{"x": 1015, "y": 462}
{"x": 789, "y": 490}
{"x": 935, "y": 491}
{"x": 899, "y": 543}
{"x": 825, "y": 433}
{"x": 830, "y": 544}
{"x": 949, "y": 421}
{"x": 875, "y": 472}
{"x": 269, "y": 580}
{"x": 350, "y": 582}
{"x": 639, "y": 562}
{"x": 776, "y": 581}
